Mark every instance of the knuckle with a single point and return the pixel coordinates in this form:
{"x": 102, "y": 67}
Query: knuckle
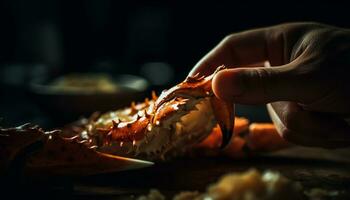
{"x": 228, "y": 40}
{"x": 228, "y": 45}
{"x": 264, "y": 80}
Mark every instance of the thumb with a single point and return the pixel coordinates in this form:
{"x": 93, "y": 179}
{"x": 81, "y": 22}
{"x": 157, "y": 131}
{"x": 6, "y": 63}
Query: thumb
{"x": 260, "y": 85}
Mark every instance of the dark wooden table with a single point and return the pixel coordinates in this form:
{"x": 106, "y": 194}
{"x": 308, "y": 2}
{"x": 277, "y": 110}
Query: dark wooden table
{"x": 313, "y": 168}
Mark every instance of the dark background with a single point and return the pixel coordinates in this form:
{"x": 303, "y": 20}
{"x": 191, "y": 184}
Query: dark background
{"x": 158, "y": 40}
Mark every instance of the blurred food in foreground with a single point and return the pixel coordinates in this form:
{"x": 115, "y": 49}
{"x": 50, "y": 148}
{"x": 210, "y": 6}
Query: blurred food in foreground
{"x": 249, "y": 185}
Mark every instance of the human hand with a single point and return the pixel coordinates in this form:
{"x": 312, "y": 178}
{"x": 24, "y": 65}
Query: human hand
{"x": 308, "y": 85}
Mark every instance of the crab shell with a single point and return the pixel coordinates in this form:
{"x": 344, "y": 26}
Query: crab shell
{"x": 163, "y": 127}
{"x": 155, "y": 129}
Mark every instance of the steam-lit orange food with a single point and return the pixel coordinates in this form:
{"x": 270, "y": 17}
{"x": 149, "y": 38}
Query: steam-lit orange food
{"x": 248, "y": 138}
{"x": 183, "y": 119}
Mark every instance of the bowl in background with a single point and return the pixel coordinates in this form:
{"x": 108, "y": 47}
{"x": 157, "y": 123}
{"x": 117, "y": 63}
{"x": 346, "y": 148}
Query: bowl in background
{"x": 71, "y": 96}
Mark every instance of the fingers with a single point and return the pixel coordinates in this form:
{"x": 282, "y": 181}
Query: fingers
{"x": 308, "y": 128}
{"x": 236, "y": 50}
{"x": 274, "y": 44}
{"x": 261, "y": 85}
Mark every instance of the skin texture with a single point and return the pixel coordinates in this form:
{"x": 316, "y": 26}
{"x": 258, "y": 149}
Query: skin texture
{"x": 305, "y": 84}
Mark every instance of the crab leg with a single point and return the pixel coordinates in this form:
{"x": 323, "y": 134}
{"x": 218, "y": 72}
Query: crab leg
{"x": 57, "y": 155}
{"x": 71, "y": 156}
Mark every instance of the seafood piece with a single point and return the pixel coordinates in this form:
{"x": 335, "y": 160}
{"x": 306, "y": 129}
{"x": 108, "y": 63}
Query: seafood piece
{"x": 32, "y": 151}
{"x": 162, "y": 127}
{"x": 264, "y": 137}
{"x": 249, "y": 138}
{"x": 166, "y": 126}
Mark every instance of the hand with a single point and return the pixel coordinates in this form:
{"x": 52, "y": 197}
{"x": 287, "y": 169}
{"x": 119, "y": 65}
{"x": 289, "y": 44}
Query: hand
{"x": 308, "y": 83}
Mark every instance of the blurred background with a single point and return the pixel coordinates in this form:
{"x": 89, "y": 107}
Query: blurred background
{"x": 157, "y": 42}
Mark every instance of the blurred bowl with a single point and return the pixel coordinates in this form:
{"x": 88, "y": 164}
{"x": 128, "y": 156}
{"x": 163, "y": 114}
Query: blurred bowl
{"x": 71, "y": 96}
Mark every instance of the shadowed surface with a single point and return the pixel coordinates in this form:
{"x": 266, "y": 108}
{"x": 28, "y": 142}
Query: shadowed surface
{"x": 313, "y": 168}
